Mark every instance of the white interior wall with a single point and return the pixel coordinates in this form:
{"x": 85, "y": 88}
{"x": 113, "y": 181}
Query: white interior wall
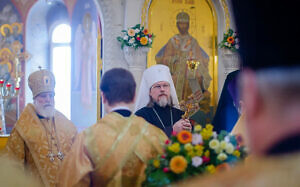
{"x": 36, "y": 43}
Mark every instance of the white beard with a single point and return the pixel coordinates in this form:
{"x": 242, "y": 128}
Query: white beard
{"x": 163, "y": 101}
{"x": 45, "y": 111}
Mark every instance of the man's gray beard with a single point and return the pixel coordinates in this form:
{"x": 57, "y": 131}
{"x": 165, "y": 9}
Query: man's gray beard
{"x": 47, "y": 112}
{"x": 163, "y": 101}
{"x": 151, "y": 102}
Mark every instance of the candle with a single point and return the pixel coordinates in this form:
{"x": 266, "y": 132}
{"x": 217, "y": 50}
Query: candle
{"x": 17, "y": 67}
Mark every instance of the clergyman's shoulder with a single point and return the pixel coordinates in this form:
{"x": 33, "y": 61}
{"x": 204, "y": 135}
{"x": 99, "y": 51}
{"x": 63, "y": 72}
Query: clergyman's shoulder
{"x": 143, "y": 111}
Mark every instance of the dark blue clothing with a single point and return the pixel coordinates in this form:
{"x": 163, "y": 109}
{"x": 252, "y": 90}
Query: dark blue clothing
{"x": 290, "y": 144}
{"x": 123, "y": 112}
{"x": 227, "y": 111}
{"x": 164, "y": 113}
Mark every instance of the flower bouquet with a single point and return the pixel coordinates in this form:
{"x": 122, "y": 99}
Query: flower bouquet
{"x": 192, "y": 153}
{"x": 136, "y": 37}
{"x": 230, "y": 41}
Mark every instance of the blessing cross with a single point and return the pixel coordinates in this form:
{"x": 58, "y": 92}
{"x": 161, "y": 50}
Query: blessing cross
{"x": 190, "y": 106}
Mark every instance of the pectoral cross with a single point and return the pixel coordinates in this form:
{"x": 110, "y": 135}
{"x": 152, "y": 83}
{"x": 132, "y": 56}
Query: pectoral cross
{"x": 51, "y": 156}
{"x": 60, "y": 155}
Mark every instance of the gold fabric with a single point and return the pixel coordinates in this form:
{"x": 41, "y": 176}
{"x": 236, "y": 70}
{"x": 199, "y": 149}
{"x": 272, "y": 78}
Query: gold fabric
{"x": 113, "y": 152}
{"x": 29, "y": 143}
{"x": 259, "y": 172}
{"x": 12, "y": 176}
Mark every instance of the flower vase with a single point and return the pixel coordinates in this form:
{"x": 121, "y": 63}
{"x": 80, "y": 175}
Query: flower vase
{"x": 230, "y": 60}
{"x": 137, "y": 61}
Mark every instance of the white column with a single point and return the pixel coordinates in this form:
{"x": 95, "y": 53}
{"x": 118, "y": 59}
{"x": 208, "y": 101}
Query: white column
{"x": 137, "y": 62}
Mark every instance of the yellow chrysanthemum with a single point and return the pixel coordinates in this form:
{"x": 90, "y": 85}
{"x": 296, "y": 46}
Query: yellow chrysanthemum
{"x": 199, "y": 153}
{"x": 131, "y": 32}
{"x": 236, "y": 153}
{"x": 188, "y": 147}
{"x": 211, "y": 169}
{"x": 198, "y": 148}
{"x": 191, "y": 153}
{"x": 144, "y": 41}
{"x": 156, "y": 163}
{"x": 209, "y": 127}
{"x": 197, "y": 128}
{"x": 175, "y": 147}
{"x": 178, "y": 164}
{"x": 206, "y": 134}
{"x": 207, "y": 153}
{"x": 214, "y": 144}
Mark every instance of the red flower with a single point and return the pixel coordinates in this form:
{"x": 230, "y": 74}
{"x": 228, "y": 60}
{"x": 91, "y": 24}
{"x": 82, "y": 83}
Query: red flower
{"x": 205, "y": 159}
{"x": 167, "y": 141}
{"x": 174, "y": 133}
{"x": 150, "y": 35}
{"x": 145, "y": 31}
{"x": 166, "y": 170}
{"x": 138, "y": 38}
{"x": 163, "y": 156}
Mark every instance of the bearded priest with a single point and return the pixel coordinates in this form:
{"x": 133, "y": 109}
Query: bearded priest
{"x": 42, "y": 135}
{"x": 157, "y": 101}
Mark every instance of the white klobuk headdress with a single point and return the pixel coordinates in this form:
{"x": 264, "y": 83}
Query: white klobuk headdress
{"x": 151, "y": 76}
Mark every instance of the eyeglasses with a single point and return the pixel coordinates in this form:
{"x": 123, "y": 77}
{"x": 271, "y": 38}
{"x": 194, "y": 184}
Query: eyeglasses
{"x": 158, "y": 86}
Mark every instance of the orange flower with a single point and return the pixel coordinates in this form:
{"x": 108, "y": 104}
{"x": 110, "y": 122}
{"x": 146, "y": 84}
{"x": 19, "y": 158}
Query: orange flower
{"x": 230, "y": 40}
{"x": 144, "y": 41}
{"x": 223, "y": 167}
{"x": 184, "y": 137}
{"x": 178, "y": 164}
{"x": 145, "y": 31}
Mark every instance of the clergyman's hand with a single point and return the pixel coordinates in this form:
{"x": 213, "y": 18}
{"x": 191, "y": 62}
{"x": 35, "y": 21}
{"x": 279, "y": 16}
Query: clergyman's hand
{"x": 183, "y": 124}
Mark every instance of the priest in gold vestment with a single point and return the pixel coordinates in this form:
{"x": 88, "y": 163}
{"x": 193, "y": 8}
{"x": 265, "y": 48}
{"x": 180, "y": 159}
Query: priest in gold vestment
{"x": 271, "y": 98}
{"x": 42, "y": 135}
{"x": 115, "y": 151}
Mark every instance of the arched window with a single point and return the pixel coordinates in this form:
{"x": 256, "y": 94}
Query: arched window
{"x": 61, "y": 67}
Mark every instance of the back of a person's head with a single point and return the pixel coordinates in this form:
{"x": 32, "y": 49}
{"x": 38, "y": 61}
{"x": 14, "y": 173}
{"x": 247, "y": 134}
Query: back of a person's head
{"x": 118, "y": 85}
{"x": 268, "y": 34}
{"x": 269, "y": 40}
